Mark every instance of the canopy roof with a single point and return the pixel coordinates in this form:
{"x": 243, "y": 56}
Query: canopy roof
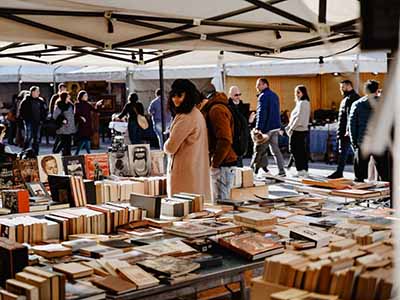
{"x": 114, "y": 28}
{"x": 193, "y": 68}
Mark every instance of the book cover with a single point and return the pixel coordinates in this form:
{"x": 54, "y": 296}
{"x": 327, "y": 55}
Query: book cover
{"x": 50, "y": 164}
{"x": 96, "y": 166}
{"x": 74, "y": 165}
{"x": 169, "y": 266}
{"x": 16, "y": 200}
{"x": 251, "y": 245}
{"x": 114, "y": 285}
{"x": 157, "y": 163}
{"x": 82, "y": 290}
{"x": 13, "y": 259}
{"x": 119, "y": 163}
{"x": 138, "y": 276}
{"x": 28, "y": 170}
{"x": 60, "y": 188}
{"x": 139, "y": 159}
{"x": 6, "y": 175}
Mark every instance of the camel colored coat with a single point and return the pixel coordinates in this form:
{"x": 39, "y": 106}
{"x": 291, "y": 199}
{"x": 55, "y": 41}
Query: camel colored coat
{"x": 188, "y": 161}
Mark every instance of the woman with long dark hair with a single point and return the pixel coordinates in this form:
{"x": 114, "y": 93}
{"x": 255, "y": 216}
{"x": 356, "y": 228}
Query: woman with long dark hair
{"x": 65, "y": 120}
{"x": 83, "y": 116}
{"x": 187, "y": 146}
{"x": 133, "y": 108}
{"x": 297, "y": 130}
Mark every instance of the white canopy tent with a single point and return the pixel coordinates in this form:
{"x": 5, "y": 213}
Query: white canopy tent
{"x": 190, "y": 67}
{"x": 74, "y": 29}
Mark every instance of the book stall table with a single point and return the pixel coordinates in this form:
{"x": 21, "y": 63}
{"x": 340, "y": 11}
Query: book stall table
{"x": 232, "y": 271}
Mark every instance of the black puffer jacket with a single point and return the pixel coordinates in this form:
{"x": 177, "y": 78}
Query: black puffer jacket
{"x": 344, "y": 111}
{"x": 33, "y": 110}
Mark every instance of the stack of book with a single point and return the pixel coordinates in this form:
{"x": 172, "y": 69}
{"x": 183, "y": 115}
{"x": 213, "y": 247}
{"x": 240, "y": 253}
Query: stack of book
{"x": 27, "y": 229}
{"x": 255, "y": 219}
{"x": 152, "y": 186}
{"x": 344, "y": 269}
{"x": 190, "y": 230}
{"x": 58, "y": 225}
{"x": 182, "y": 204}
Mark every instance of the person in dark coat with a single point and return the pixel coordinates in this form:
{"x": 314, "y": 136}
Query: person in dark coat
{"x": 343, "y": 138}
{"x": 83, "y": 116}
{"x": 360, "y": 114}
{"x": 132, "y": 109}
{"x": 33, "y": 112}
{"x": 236, "y": 103}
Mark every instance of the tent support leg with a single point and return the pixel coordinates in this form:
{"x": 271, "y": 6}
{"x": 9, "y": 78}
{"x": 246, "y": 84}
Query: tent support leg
{"x": 162, "y": 100}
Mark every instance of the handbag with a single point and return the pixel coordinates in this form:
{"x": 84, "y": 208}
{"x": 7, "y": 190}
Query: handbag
{"x": 258, "y": 137}
{"x": 141, "y": 120}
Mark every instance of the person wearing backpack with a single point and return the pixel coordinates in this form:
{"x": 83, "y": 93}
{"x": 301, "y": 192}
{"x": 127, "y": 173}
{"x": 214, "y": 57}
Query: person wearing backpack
{"x": 65, "y": 119}
{"x": 220, "y": 126}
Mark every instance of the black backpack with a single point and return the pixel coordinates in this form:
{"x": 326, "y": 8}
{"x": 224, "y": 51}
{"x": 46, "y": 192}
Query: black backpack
{"x": 240, "y": 130}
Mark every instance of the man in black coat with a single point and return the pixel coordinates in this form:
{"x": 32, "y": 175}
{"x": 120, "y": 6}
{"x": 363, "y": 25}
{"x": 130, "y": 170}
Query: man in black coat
{"x": 33, "y": 112}
{"x": 343, "y": 138}
{"x": 244, "y": 109}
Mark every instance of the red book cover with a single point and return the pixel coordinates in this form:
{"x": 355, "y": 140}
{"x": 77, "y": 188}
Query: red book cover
{"x": 96, "y": 166}
{"x": 23, "y": 201}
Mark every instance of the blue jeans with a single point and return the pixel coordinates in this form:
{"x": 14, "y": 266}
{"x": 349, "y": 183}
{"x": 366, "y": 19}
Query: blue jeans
{"x": 344, "y": 151}
{"x": 84, "y": 143}
{"x": 222, "y": 183}
{"x": 135, "y": 133}
{"x": 157, "y": 127}
{"x": 32, "y": 132}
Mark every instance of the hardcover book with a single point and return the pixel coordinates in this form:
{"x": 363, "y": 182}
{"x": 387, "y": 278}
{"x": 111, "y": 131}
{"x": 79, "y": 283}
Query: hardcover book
{"x": 251, "y": 245}
{"x": 114, "y": 285}
{"x": 13, "y": 259}
{"x": 82, "y": 290}
{"x": 73, "y": 270}
{"x": 157, "y": 163}
{"x": 74, "y": 165}
{"x": 138, "y": 276}
{"x": 96, "y": 166}
{"x": 151, "y": 204}
{"x": 119, "y": 163}
{"x": 15, "y": 200}
{"x": 28, "y": 170}
{"x": 6, "y": 175}
{"x": 169, "y": 266}
{"x": 139, "y": 159}
{"x": 190, "y": 230}
{"x": 50, "y": 164}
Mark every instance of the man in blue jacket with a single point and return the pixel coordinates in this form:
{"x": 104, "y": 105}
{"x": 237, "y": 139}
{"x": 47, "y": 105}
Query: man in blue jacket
{"x": 268, "y": 122}
{"x": 360, "y": 113}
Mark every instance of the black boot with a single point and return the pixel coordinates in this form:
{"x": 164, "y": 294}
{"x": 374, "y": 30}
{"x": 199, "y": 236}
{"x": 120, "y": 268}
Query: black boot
{"x": 335, "y": 175}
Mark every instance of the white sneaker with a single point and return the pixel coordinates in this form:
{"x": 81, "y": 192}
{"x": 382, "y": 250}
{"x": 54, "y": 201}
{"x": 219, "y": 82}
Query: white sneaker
{"x": 301, "y": 174}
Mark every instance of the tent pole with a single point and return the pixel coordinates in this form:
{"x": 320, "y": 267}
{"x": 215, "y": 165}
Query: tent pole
{"x": 161, "y": 71}
{"x": 357, "y": 71}
{"x": 19, "y": 79}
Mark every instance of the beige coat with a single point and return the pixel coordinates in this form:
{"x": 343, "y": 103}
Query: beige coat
{"x": 188, "y": 162}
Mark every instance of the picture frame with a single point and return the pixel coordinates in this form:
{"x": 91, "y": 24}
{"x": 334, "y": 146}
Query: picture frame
{"x": 37, "y": 189}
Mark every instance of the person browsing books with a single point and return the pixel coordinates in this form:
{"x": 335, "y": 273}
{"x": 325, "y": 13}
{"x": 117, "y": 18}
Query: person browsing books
{"x": 187, "y": 146}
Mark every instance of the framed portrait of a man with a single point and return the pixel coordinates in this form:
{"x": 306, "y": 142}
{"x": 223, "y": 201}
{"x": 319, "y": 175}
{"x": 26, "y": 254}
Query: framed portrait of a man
{"x": 50, "y": 164}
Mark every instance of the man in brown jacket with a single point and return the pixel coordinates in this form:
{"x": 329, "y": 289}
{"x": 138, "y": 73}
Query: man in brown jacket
{"x": 223, "y": 158}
